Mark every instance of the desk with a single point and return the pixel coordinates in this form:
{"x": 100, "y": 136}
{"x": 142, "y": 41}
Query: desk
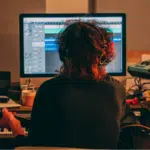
{"x": 144, "y": 105}
{"x": 23, "y": 112}
{"x": 22, "y": 109}
{"x": 142, "y": 112}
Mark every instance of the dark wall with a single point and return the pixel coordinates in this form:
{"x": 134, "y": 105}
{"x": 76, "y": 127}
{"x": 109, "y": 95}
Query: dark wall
{"x": 138, "y": 22}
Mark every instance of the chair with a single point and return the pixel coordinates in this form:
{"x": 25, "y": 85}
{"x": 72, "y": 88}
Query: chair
{"x": 134, "y": 136}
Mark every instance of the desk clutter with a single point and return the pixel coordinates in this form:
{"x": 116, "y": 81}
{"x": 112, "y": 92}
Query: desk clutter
{"x": 20, "y": 99}
{"x": 27, "y": 97}
{"x": 14, "y": 95}
{"x": 9, "y": 104}
{"x": 138, "y": 95}
{"x": 17, "y": 98}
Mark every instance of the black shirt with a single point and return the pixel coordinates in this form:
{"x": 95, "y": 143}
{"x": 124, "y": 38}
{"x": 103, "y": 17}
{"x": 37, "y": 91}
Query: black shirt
{"x": 78, "y": 113}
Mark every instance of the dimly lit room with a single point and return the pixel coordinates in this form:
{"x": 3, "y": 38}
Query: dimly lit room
{"x": 74, "y": 74}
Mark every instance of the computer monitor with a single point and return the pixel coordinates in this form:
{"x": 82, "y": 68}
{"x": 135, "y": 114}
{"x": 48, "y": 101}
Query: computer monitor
{"x": 39, "y": 55}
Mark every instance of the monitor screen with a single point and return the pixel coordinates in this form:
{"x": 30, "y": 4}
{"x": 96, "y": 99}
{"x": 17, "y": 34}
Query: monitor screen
{"x": 39, "y": 55}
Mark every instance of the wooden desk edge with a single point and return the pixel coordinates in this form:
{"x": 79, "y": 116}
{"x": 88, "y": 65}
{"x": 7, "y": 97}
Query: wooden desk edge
{"x": 21, "y": 109}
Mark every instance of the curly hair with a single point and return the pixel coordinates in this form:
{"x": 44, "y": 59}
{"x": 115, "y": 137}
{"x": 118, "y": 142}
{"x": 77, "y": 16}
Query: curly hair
{"x": 85, "y": 49}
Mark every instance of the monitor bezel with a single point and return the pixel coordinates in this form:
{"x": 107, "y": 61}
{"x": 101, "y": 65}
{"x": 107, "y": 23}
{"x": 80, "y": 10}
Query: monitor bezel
{"x": 22, "y": 16}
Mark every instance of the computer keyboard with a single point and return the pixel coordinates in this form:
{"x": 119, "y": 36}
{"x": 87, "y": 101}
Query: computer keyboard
{"x": 6, "y": 133}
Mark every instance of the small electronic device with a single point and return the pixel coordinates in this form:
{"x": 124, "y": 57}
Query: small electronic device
{"x": 9, "y": 104}
{"x": 141, "y": 70}
{"x": 4, "y": 99}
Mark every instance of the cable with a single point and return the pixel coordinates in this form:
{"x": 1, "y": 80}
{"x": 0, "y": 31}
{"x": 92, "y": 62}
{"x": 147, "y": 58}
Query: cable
{"x": 136, "y": 125}
{"x": 139, "y": 84}
{"x": 131, "y": 88}
{"x": 124, "y": 80}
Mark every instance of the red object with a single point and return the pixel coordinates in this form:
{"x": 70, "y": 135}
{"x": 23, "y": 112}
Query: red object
{"x": 29, "y": 101}
{"x": 133, "y": 101}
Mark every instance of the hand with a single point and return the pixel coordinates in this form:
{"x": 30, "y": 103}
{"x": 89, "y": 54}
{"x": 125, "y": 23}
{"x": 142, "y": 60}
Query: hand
{"x": 9, "y": 121}
{"x": 4, "y": 120}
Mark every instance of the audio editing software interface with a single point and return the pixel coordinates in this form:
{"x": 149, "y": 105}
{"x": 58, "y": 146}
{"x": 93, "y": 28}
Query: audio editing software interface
{"x": 41, "y": 50}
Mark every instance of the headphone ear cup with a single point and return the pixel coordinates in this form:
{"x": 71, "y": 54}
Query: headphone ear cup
{"x": 61, "y": 55}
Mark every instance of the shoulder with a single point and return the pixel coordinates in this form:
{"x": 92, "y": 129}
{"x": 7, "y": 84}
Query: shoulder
{"x": 46, "y": 90}
{"x": 51, "y": 81}
{"x": 51, "y": 84}
{"x": 111, "y": 79}
{"x": 116, "y": 84}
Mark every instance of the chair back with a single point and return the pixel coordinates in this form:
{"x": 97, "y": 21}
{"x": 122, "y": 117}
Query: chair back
{"x": 134, "y": 136}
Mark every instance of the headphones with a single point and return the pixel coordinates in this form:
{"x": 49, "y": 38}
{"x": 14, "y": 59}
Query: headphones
{"x": 103, "y": 60}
